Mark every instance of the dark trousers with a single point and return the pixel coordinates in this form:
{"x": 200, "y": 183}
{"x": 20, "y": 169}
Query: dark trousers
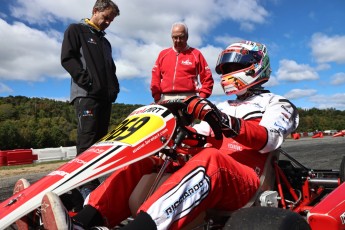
{"x": 93, "y": 121}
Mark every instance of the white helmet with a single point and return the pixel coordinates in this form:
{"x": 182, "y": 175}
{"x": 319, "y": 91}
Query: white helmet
{"x": 243, "y": 65}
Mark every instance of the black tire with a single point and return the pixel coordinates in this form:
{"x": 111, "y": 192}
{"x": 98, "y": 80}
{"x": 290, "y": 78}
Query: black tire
{"x": 342, "y": 170}
{"x": 263, "y": 218}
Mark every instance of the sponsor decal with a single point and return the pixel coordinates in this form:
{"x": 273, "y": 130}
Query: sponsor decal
{"x": 275, "y": 131}
{"x": 97, "y": 150}
{"x": 281, "y": 128}
{"x": 58, "y": 173}
{"x": 342, "y": 218}
{"x": 286, "y": 110}
{"x": 234, "y": 147}
{"x": 186, "y": 62}
{"x": 239, "y": 103}
{"x": 148, "y": 110}
{"x": 284, "y": 120}
{"x": 148, "y": 141}
{"x": 78, "y": 161}
{"x": 286, "y": 115}
{"x": 189, "y": 194}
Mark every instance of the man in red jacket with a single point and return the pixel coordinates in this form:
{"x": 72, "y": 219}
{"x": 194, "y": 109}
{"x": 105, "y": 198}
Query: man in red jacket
{"x": 176, "y": 70}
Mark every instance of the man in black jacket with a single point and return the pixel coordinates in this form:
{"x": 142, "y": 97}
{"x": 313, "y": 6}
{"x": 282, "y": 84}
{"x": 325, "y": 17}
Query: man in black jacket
{"x": 87, "y": 56}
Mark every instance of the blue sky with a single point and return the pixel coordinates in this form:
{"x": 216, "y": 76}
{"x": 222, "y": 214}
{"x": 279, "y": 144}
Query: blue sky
{"x": 305, "y": 40}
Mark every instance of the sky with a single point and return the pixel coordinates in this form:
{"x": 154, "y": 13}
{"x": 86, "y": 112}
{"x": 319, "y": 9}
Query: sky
{"x": 305, "y": 41}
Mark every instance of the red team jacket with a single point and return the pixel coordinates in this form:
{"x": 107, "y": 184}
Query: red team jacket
{"x": 178, "y": 73}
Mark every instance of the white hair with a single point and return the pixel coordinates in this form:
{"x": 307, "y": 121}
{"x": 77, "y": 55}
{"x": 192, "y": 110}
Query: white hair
{"x": 180, "y": 24}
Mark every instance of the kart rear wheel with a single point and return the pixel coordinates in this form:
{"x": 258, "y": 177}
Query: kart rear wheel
{"x": 263, "y": 218}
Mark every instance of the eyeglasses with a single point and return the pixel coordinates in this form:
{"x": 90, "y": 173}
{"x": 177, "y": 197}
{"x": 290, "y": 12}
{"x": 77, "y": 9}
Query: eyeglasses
{"x": 178, "y": 37}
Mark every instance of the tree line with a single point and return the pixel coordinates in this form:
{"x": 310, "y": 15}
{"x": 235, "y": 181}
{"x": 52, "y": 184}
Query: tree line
{"x": 42, "y": 123}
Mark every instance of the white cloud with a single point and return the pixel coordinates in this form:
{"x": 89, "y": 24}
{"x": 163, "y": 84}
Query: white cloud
{"x": 227, "y": 40}
{"x": 329, "y": 101}
{"x": 4, "y": 88}
{"x": 289, "y": 70}
{"x": 28, "y": 54}
{"x": 338, "y": 79}
{"x": 42, "y": 12}
{"x": 246, "y": 11}
{"x": 328, "y": 48}
{"x": 30, "y": 49}
{"x": 322, "y": 66}
{"x": 273, "y": 81}
{"x": 300, "y": 93}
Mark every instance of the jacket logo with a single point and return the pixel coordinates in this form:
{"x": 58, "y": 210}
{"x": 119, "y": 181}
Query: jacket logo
{"x": 186, "y": 62}
{"x": 92, "y": 41}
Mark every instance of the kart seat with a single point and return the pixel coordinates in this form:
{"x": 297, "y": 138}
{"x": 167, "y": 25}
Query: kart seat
{"x": 141, "y": 190}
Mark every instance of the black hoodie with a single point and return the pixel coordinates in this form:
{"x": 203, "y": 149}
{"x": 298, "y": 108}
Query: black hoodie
{"x": 87, "y": 56}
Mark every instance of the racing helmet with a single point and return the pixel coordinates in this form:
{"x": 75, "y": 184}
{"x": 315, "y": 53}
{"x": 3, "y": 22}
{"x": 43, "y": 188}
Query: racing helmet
{"x": 243, "y": 65}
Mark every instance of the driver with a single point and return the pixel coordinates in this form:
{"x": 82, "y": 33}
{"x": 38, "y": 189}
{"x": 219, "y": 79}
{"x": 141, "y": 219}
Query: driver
{"x": 224, "y": 176}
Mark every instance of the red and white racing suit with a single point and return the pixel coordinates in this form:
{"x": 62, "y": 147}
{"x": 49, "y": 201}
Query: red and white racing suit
{"x": 222, "y": 178}
{"x": 175, "y": 73}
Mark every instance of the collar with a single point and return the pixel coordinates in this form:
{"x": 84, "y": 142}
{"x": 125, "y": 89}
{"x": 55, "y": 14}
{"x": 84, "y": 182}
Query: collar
{"x": 92, "y": 27}
{"x": 91, "y": 24}
{"x": 186, "y": 48}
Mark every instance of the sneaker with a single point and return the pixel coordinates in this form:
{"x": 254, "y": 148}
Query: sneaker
{"x": 54, "y": 214}
{"x": 20, "y": 185}
{"x": 31, "y": 220}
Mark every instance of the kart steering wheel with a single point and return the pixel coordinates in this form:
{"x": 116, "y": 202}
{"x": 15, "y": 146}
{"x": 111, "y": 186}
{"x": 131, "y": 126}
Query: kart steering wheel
{"x": 178, "y": 108}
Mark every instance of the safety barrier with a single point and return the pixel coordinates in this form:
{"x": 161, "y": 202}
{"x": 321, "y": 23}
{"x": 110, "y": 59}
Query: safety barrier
{"x": 29, "y": 156}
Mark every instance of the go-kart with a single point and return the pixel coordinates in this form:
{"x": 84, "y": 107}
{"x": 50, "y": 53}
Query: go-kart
{"x": 290, "y": 195}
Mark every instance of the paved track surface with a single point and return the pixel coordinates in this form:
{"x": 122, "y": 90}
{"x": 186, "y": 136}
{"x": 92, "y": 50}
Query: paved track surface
{"x": 316, "y": 153}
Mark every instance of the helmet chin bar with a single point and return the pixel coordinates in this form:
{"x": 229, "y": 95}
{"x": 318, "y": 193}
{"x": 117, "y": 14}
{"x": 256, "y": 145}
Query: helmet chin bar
{"x": 240, "y": 93}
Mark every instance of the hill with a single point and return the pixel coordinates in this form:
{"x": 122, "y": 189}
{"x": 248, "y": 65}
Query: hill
{"x": 41, "y": 123}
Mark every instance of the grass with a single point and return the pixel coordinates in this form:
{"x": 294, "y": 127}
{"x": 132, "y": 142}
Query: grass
{"x": 11, "y": 167}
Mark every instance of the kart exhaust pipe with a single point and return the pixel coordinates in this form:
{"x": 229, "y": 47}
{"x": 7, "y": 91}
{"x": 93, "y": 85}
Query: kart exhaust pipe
{"x": 326, "y": 182}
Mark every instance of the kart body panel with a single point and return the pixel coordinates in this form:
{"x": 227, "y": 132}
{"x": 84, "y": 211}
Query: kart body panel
{"x": 143, "y": 133}
{"x": 330, "y": 212}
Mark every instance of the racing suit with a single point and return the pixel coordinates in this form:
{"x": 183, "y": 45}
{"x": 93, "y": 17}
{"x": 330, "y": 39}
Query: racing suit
{"x": 224, "y": 176}
{"x": 175, "y": 73}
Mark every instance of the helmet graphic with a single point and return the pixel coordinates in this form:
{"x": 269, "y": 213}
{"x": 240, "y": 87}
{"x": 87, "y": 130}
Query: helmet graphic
{"x": 243, "y": 65}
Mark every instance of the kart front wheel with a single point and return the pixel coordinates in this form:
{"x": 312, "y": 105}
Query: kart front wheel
{"x": 263, "y": 218}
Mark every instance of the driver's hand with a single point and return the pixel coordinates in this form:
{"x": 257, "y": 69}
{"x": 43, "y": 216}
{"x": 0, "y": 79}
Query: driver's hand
{"x": 200, "y": 108}
{"x": 203, "y": 109}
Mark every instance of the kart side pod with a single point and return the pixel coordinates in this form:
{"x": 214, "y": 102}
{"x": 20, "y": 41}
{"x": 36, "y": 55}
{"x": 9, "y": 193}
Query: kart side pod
{"x": 330, "y": 212}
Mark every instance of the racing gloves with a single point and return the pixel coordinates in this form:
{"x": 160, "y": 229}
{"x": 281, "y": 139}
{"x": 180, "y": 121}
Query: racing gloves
{"x": 221, "y": 123}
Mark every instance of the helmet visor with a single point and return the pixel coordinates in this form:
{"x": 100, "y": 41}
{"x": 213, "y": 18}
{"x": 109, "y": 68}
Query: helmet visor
{"x": 233, "y": 61}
